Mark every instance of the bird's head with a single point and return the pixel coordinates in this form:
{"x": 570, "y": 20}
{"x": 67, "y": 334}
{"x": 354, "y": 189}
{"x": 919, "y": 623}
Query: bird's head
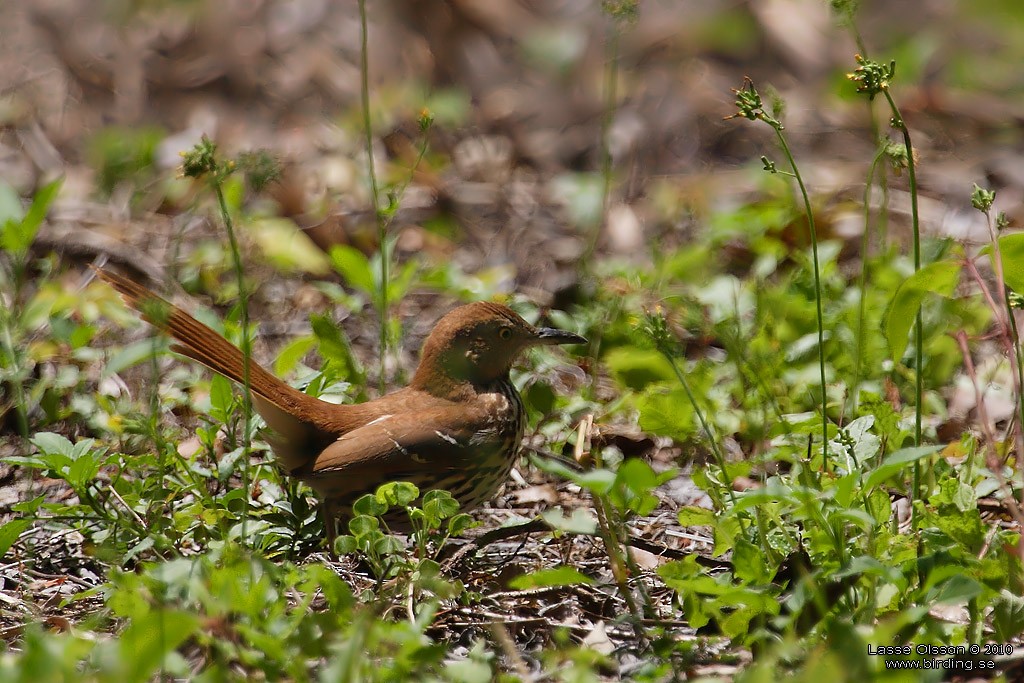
{"x": 478, "y": 343}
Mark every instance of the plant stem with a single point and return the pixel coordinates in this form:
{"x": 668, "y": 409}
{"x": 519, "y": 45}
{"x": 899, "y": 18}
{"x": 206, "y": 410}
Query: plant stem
{"x": 900, "y": 124}
{"x": 712, "y": 441}
{"x": 863, "y": 283}
{"x": 17, "y": 386}
{"x": 382, "y": 225}
{"x": 245, "y": 343}
{"x": 817, "y": 293}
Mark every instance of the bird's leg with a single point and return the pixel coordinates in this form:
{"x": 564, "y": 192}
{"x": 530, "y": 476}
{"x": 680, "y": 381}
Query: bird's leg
{"x": 329, "y": 514}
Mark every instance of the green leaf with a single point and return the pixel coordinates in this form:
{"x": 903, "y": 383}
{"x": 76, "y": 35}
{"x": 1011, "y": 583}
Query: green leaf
{"x": 596, "y": 481}
{"x": 38, "y": 209}
{"x": 636, "y": 474}
{"x": 291, "y": 354}
{"x": 149, "y": 639}
{"x": 440, "y": 505}
{"x": 459, "y": 523}
{"x": 1007, "y": 616}
{"x": 288, "y": 248}
{"x": 397, "y": 493}
{"x": 635, "y": 368}
{"x": 363, "y": 525}
{"x": 897, "y": 462}
{"x": 370, "y": 506}
{"x": 1011, "y": 249}
{"x": 957, "y": 590}
{"x": 19, "y": 230}
{"x": 749, "y": 564}
{"x": 353, "y": 265}
{"x": 50, "y": 443}
{"x": 937, "y": 278}
{"x": 695, "y": 516}
{"x": 402, "y": 280}
{"x": 10, "y": 532}
{"x": 580, "y": 522}
{"x": 334, "y": 347}
{"x": 343, "y": 545}
{"x": 666, "y": 413}
{"x": 555, "y": 576}
{"x": 222, "y": 398}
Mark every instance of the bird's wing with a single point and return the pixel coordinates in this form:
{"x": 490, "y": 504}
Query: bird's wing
{"x": 397, "y": 447}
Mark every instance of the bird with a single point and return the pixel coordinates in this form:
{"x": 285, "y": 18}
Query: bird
{"x": 457, "y": 426}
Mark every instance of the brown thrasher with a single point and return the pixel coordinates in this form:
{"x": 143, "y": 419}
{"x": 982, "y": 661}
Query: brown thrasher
{"x": 456, "y": 427}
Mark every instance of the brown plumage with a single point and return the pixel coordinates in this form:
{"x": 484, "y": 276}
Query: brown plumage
{"x": 457, "y": 426}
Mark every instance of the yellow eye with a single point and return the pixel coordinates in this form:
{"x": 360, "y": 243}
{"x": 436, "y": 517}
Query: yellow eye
{"x": 505, "y": 333}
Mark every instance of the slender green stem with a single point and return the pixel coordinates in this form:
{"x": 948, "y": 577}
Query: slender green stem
{"x": 382, "y": 224}
{"x": 15, "y": 281}
{"x": 712, "y": 441}
{"x": 619, "y": 569}
{"x": 900, "y": 124}
{"x": 245, "y": 343}
{"x": 17, "y": 382}
{"x": 817, "y": 293}
{"x": 858, "y": 354}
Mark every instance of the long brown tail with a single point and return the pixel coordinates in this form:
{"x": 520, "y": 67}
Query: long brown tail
{"x": 297, "y": 418}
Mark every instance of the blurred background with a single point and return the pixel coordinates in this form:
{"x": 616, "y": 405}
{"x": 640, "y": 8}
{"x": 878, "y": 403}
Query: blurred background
{"x": 107, "y": 93}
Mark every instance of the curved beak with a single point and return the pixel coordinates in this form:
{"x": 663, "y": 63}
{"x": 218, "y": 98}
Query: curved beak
{"x": 548, "y": 336}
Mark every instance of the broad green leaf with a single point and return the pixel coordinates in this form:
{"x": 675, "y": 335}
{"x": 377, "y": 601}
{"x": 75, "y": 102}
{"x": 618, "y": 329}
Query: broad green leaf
{"x": 397, "y": 493}
{"x": 637, "y": 475}
{"x": 637, "y": 368}
{"x": 957, "y": 590}
{"x": 10, "y": 532}
{"x": 334, "y": 347}
{"x": 937, "y": 278}
{"x": 51, "y": 443}
{"x": 18, "y": 231}
{"x": 666, "y": 413}
{"x": 695, "y": 516}
{"x": 555, "y": 576}
{"x": 369, "y": 506}
{"x": 1007, "y": 616}
{"x": 897, "y": 461}
{"x": 288, "y": 248}
{"x": 749, "y": 563}
{"x": 291, "y": 354}
{"x": 580, "y": 522}
{"x": 38, "y": 209}
{"x": 343, "y": 545}
{"x": 362, "y": 524}
{"x": 150, "y": 638}
{"x": 221, "y": 398}
{"x": 1011, "y": 249}
{"x": 439, "y": 505}
{"x": 353, "y": 265}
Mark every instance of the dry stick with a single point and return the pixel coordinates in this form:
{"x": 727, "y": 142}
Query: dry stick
{"x": 619, "y": 570}
{"x": 994, "y": 462}
{"x": 1007, "y": 325}
{"x": 611, "y": 546}
{"x": 501, "y": 635}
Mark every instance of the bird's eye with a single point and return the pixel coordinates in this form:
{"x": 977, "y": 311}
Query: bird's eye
{"x": 505, "y": 333}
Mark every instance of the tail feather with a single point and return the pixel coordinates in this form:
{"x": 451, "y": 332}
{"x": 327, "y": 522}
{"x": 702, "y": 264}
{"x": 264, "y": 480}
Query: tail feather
{"x": 277, "y": 402}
